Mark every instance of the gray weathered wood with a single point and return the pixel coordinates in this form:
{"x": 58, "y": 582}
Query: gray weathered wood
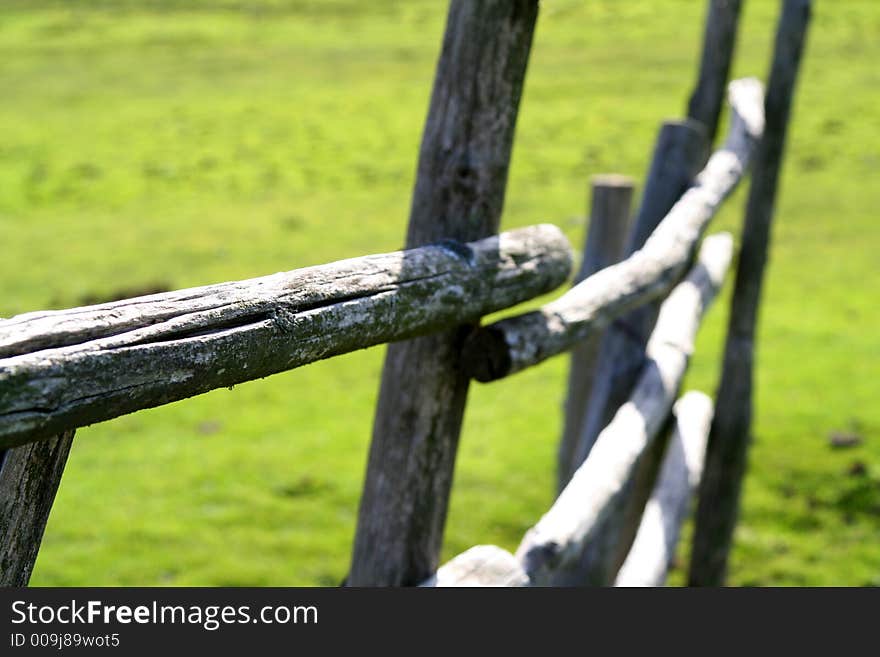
{"x": 606, "y": 232}
{"x": 459, "y": 194}
{"x": 678, "y": 156}
{"x": 719, "y": 43}
{"x": 515, "y": 343}
{"x": 593, "y": 494}
{"x": 29, "y": 479}
{"x": 69, "y": 368}
{"x": 623, "y": 358}
{"x": 677, "y": 160}
{"x": 653, "y": 549}
{"x": 482, "y": 565}
{"x": 731, "y": 426}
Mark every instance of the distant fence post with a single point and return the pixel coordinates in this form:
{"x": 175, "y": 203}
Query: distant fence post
{"x": 719, "y": 43}
{"x": 459, "y": 193}
{"x": 730, "y": 434}
{"x": 606, "y": 232}
{"x": 29, "y": 479}
{"x": 679, "y": 154}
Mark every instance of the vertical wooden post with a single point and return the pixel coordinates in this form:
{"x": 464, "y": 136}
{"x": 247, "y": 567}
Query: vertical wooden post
{"x": 719, "y": 43}
{"x": 459, "y": 194}
{"x": 730, "y": 434}
{"x": 606, "y": 232}
{"x": 29, "y": 478}
{"x": 679, "y": 154}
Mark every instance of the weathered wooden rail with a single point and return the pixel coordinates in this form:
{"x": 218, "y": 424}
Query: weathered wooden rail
{"x": 654, "y": 546}
{"x": 70, "y": 368}
{"x": 511, "y": 345}
{"x": 630, "y": 457}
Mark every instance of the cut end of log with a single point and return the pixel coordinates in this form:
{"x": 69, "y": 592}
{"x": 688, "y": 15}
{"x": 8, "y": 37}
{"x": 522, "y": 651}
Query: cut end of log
{"x": 486, "y": 355}
{"x": 612, "y": 180}
{"x": 482, "y": 565}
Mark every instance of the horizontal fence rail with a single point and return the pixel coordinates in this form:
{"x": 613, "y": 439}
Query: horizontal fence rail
{"x": 64, "y": 369}
{"x": 647, "y": 562}
{"x": 513, "y": 344}
{"x": 591, "y": 496}
{"x": 620, "y": 510}
{"x": 594, "y": 491}
{"x": 482, "y": 565}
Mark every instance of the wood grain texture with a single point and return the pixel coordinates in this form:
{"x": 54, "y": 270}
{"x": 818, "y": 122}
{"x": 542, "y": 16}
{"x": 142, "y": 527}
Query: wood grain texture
{"x": 459, "y": 193}
{"x": 566, "y": 531}
{"x": 607, "y": 228}
{"x": 65, "y": 369}
{"x": 730, "y": 435}
{"x": 719, "y": 44}
{"x": 29, "y": 479}
{"x": 513, "y": 344}
{"x": 653, "y": 549}
{"x": 480, "y": 566}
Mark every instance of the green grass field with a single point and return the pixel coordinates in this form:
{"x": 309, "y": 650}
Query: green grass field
{"x": 172, "y": 143}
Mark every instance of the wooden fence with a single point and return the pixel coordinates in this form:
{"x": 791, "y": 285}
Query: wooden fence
{"x": 630, "y": 457}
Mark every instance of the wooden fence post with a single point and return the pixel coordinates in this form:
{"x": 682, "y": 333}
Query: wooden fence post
{"x": 459, "y": 193}
{"x": 719, "y": 43}
{"x": 681, "y": 151}
{"x": 29, "y": 479}
{"x": 679, "y": 155}
{"x": 606, "y": 231}
{"x": 730, "y": 434}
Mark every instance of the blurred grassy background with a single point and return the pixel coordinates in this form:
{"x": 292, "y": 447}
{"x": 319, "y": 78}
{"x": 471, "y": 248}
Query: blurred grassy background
{"x": 171, "y": 143}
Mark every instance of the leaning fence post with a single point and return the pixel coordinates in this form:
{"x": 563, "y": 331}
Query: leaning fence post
{"x": 729, "y": 437}
{"x": 719, "y": 43}
{"x": 606, "y": 231}
{"x": 29, "y": 478}
{"x": 459, "y": 193}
